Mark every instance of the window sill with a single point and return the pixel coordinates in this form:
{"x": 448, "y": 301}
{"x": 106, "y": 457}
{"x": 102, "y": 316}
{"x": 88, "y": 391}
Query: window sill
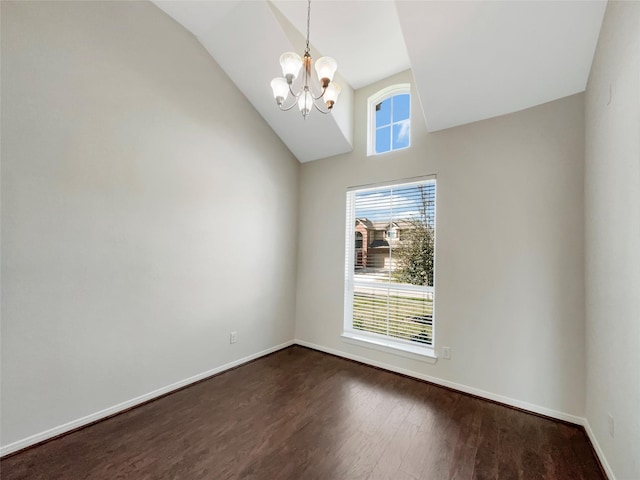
{"x": 422, "y": 354}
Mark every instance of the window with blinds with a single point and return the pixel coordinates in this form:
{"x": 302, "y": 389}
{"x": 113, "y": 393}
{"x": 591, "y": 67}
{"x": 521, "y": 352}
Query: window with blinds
{"x": 389, "y": 266}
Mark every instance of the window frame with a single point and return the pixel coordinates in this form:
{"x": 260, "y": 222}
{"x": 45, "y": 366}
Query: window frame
{"x": 375, "y": 99}
{"x": 396, "y": 346}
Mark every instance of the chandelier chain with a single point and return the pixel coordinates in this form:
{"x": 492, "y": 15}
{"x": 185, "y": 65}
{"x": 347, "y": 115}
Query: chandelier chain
{"x": 308, "y": 24}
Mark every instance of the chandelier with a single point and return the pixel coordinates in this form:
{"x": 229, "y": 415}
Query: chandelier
{"x": 306, "y": 98}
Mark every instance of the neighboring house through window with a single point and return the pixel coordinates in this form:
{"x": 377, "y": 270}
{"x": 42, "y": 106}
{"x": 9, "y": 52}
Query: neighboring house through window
{"x": 390, "y": 253}
{"x": 389, "y": 119}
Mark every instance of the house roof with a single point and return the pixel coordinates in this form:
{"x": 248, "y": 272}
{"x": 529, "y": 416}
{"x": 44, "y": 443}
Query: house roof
{"x": 364, "y": 221}
{"x": 397, "y": 224}
{"x": 384, "y": 225}
{"x": 379, "y": 243}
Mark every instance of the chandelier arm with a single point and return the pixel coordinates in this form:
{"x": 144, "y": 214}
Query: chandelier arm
{"x": 286, "y": 109}
{"x": 294, "y": 94}
{"x": 319, "y": 96}
{"x": 319, "y": 109}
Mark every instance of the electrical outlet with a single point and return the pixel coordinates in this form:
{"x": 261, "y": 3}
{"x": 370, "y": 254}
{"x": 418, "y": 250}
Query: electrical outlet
{"x": 610, "y": 424}
{"x": 446, "y": 353}
{"x": 233, "y": 337}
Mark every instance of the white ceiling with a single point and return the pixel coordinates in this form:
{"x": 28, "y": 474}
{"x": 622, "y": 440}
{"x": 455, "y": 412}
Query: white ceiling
{"x": 477, "y": 60}
{"x": 471, "y": 60}
{"x": 364, "y": 37}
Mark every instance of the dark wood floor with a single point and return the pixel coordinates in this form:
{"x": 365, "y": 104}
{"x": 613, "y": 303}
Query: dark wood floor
{"x": 301, "y": 414}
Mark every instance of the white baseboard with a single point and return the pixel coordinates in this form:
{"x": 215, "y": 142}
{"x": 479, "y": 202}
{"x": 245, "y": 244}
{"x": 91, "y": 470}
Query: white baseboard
{"x": 455, "y": 386}
{"x": 72, "y": 425}
{"x": 599, "y": 452}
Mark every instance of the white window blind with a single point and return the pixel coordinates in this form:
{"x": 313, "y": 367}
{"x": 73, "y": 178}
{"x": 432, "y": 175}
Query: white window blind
{"x": 389, "y": 289}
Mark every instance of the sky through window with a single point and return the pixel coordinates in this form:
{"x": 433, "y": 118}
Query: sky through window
{"x": 392, "y": 123}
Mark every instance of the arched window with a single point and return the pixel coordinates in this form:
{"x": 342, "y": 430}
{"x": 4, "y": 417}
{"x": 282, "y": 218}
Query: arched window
{"x": 389, "y": 119}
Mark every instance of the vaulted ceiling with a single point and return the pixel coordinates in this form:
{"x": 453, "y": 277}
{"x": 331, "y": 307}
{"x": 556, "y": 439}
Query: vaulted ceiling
{"x": 471, "y": 60}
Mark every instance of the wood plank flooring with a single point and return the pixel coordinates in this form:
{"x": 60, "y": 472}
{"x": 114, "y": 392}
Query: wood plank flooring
{"x": 302, "y": 414}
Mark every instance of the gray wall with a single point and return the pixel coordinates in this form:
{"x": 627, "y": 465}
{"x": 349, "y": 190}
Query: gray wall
{"x": 612, "y": 207}
{"x": 147, "y": 211}
{"x": 509, "y": 261}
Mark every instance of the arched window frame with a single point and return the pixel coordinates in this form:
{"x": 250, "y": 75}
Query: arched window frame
{"x": 375, "y": 99}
